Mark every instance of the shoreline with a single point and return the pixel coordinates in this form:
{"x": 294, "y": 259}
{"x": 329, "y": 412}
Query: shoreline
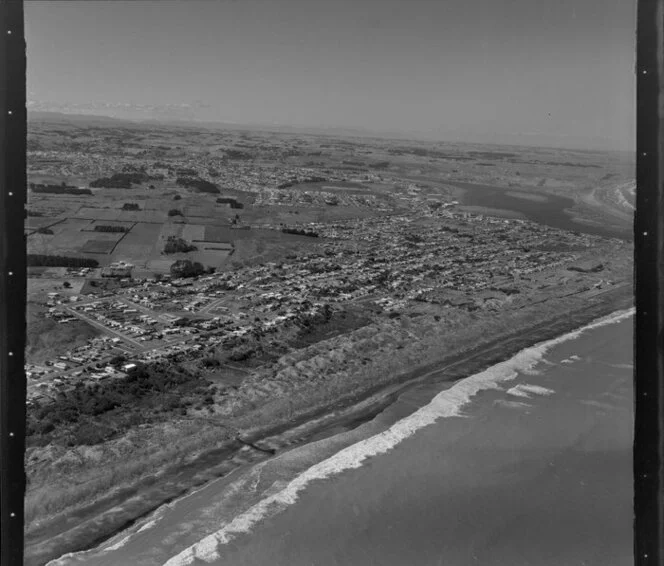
{"x": 123, "y": 509}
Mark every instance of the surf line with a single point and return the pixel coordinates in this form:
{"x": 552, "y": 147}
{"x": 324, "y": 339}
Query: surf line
{"x": 448, "y": 403}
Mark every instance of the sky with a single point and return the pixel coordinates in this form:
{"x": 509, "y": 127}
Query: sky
{"x": 527, "y": 72}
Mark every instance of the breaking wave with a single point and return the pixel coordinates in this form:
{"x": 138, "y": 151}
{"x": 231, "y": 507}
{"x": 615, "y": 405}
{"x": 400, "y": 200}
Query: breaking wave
{"x": 448, "y": 403}
{"x": 527, "y": 391}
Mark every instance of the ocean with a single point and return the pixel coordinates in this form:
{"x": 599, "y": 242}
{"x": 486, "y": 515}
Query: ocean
{"x": 528, "y": 462}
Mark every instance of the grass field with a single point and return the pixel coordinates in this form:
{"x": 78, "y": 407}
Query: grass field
{"x": 170, "y": 229}
{"x": 118, "y": 214}
{"x": 71, "y": 225}
{"x": 100, "y": 246}
{"x": 206, "y": 212}
{"x": 34, "y": 222}
{"x": 139, "y": 245}
{"x": 46, "y": 338}
{"x": 195, "y": 232}
{"x": 217, "y": 234}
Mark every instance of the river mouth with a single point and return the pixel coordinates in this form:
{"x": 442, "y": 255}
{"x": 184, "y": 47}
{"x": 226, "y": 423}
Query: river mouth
{"x": 547, "y": 209}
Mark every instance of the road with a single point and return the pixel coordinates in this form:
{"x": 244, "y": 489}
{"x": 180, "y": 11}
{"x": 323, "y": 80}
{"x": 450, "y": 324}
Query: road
{"x": 107, "y": 330}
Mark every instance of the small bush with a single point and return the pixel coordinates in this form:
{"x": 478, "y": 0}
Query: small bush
{"x": 178, "y": 245}
{"x": 210, "y": 363}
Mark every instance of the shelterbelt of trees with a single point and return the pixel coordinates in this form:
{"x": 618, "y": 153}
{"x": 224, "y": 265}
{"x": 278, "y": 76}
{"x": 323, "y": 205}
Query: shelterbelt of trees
{"x": 106, "y": 228}
{"x": 121, "y": 180}
{"x": 62, "y": 189}
{"x": 197, "y": 183}
{"x": 41, "y": 260}
{"x": 300, "y": 232}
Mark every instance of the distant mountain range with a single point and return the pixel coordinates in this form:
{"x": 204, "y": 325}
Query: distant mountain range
{"x": 543, "y": 140}
{"x": 91, "y": 119}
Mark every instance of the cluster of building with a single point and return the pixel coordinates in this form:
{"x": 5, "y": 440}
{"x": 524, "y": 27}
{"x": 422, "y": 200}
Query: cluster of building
{"x": 100, "y": 160}
{"x": 383, "y": 259}
{"x": 432, "y": 253}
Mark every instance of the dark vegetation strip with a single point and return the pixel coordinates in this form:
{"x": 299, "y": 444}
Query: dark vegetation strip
{"x": 108, "y": 228}
{"x": 38, "y": 260}
{"x": 62, "y": 189}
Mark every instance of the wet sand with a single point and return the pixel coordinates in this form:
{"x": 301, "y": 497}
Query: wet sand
{"x": 523, "y": 478}
{"x": 536, "y": 470}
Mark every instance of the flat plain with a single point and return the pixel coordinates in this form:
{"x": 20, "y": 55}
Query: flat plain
{"x": 334, "y": 269}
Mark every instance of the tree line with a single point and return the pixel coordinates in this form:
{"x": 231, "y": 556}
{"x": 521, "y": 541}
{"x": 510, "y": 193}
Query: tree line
{"x": 121, "y": 180}
{"x": 42, "y": 260}
{"x": 300, "y": 232}
{"x": 107, "y": 228}
{"x": 197, "y": 183}
{"x": 62, "y": 189}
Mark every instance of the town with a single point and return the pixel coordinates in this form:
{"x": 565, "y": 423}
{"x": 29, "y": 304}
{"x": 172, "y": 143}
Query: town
{"x": 437, "y": 255}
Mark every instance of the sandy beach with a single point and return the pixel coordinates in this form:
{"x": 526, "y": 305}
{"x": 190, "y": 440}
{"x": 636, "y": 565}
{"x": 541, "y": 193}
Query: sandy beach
{"x": 341, "y": 425}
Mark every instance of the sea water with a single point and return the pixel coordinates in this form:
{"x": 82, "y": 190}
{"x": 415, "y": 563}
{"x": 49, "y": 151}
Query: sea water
{"x": 528, "y": 462}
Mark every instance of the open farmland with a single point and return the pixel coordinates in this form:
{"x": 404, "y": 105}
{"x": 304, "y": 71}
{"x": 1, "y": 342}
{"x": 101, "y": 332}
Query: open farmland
{"x": 217, "y": 234}
{"x": 117, "y": 214}
{"x": 32, "y": 223}
{"x": 195, "y": 232}
{"x": 139, "y": 245}
{"x": 101, "y": 244}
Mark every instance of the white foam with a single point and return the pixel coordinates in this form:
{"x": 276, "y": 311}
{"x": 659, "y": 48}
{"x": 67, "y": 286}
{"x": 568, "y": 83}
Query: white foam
{"x": 448, "y": 403}
{"x": 512, "y": 404}
{"x": 622, "y": 366}
{"x": 122, "y": 542}
{"x": 66, "y": 558}
{"x": 526, "y": 390}
{"x": 629, "y": 188}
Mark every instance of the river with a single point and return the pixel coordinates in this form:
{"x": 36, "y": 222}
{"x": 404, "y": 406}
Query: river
{"x": 547, "y": 209}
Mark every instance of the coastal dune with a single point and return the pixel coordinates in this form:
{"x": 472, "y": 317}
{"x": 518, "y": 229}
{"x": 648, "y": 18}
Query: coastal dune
{"x": 283, "y": 484}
